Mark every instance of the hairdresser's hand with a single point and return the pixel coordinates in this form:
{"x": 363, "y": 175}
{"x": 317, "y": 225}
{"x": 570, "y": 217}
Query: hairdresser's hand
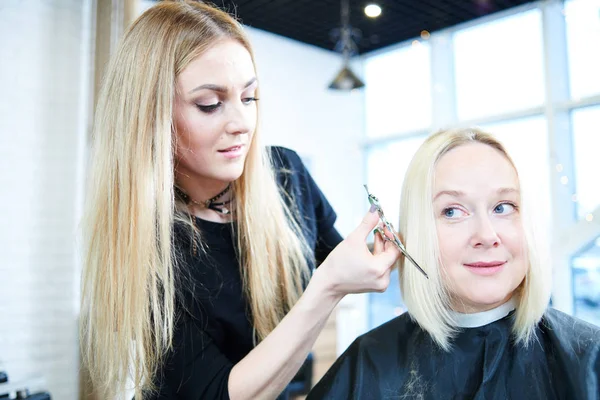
{"x": 352, "y": 268}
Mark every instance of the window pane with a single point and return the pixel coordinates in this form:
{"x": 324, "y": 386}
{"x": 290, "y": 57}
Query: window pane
{"x": 586, "y": 142}
{"x": 583, "y": 42}
{"x": 526, "y": 140}
{"x": 398, "y": 91}
{"x": 586, "y": 283}
{"x": 499, "y": 66}
{"x": 386, "y": 166}
{"x": 387, "y": 305}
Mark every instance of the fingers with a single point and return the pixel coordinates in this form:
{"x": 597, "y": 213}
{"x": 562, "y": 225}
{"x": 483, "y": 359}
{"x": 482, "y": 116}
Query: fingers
{"x": 378, "y": 245}
{"x": 390, "y": 254}
{"x": 368, "y": 223}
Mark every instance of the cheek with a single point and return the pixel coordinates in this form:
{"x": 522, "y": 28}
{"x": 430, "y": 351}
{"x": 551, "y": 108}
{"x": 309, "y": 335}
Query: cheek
{"x": 513, "y": 238}
{"x": 451, "y": 244}
{"x": 194, "y": 133}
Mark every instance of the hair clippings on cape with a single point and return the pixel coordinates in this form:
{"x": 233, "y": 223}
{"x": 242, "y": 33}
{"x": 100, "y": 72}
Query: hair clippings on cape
{"x": 375, "y": 202}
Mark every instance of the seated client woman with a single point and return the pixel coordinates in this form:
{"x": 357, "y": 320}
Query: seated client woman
{"x": 480, "y": 326}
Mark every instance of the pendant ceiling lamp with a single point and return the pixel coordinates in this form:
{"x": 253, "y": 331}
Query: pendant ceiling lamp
{"x": 346, "y": 79}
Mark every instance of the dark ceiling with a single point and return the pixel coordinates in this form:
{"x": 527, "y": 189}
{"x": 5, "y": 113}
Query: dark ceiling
{"x": 311, "y": 21}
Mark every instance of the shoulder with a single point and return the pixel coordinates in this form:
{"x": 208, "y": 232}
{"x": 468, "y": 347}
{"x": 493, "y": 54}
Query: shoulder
{"x": 574, "y": 346}
{"x": 283, "y": 157}
{"x": 571, "y": 331}
{"x": 378, "y": 340}
{"x": 368, "y": 364}
{"x": 291, "y": 174}
{"x": 570, "y": 324}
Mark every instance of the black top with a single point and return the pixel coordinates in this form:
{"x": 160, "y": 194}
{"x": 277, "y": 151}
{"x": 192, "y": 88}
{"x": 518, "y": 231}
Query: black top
{"x": 399, "y": 360}
{"x": 214, "y": 330}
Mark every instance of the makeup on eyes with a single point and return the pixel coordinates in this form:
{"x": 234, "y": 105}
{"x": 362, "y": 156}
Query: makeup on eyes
{"x": 210, "y": 104}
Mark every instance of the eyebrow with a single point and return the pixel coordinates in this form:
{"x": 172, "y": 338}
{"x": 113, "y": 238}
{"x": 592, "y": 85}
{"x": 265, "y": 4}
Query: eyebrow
{"x": 458, "y": 193}
{"x": 220, "y": 89}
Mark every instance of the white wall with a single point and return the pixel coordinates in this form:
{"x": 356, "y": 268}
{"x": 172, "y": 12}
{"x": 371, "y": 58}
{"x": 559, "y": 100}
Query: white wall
{"x": 42, "y": 50}
{"x": 324, "y": 126}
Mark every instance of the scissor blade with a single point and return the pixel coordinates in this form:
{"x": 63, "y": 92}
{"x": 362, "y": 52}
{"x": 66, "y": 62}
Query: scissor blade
{"x": 400, "y": 246}
{"x": 415, "y": 263}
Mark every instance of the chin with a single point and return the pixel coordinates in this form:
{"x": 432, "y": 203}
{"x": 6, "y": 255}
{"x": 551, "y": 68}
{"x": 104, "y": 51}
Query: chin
{"x": 229, "y": 177}
{"x": 484, "y": 296}
{"x": 486, "y": 301}
{"x": 231, "y": 174}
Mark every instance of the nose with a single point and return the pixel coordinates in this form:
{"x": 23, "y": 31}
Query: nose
{"x": 239, "y": 119}
{"x": 485, "y": 234}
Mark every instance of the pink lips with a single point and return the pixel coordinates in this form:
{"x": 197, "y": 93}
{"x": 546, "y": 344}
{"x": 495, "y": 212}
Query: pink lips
{"x": 485, "y": 268}
{"x": 232, "y": 152}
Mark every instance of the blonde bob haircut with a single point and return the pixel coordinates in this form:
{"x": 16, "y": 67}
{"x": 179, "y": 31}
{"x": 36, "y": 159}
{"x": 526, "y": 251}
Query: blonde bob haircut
{"x": 131, "y": 275}
{"x": 428, "y": 300}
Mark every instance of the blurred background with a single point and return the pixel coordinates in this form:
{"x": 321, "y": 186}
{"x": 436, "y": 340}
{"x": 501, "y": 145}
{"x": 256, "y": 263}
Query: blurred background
{"x": 353, "y": 86}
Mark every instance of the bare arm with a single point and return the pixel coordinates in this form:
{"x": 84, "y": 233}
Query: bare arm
{"x": 350, "y": 268}
{"x": 269, "y": 367}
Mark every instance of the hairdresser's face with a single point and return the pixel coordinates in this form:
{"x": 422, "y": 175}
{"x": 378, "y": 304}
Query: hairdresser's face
{"x": 476, "y": 204}
{"x": 215, "y": 114}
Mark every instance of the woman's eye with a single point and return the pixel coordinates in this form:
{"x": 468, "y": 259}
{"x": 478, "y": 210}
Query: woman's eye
{"x": 505, "y": 208}
{"x": 208, "y": 108}
{"x": 248, "y": 100}
{"x": 452, "y": 212}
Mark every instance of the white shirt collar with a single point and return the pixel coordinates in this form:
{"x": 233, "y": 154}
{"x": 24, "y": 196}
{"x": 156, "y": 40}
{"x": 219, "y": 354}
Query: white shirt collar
{"x": 483, "y": 318}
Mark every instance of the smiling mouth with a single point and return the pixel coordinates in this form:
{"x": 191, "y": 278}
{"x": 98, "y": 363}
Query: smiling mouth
{"x": 232, "y": 148}
{"x": 483, "y": 264}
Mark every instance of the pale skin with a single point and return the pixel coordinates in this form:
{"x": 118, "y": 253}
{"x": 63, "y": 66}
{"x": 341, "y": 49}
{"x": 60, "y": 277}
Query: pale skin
{"x": 213, "y": 111}
{"x": 478, "y": 221}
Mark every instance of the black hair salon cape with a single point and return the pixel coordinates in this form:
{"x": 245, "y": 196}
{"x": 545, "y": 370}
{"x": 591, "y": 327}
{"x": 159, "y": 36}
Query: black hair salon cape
{"x": 399, "y": 360}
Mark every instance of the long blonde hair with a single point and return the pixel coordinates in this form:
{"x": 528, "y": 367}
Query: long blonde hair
{"x": 428, "y": 301}
{"x": 130, "y": 269}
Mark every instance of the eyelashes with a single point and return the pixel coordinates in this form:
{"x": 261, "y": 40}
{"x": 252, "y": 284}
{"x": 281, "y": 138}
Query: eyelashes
{"x": 507, "y": 203}
{"x": 211, "y": 108}
{"x": 248, "y": 100}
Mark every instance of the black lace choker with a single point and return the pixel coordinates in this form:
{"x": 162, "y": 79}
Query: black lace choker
{"x": 211, "y": 204}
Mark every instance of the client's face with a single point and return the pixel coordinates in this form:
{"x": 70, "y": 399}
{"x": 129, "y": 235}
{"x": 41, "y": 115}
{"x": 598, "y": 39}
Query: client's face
{"x": 482, "y": 244}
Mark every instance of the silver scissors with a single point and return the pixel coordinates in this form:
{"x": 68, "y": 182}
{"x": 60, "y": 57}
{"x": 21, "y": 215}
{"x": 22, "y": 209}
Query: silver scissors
{"x": 375, "y": 202}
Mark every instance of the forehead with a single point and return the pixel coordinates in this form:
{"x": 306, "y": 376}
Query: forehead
{"x": 472, "y": 168}
{"x": 228, "y": 62}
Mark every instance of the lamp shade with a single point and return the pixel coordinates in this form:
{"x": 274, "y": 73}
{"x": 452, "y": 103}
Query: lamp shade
{"x": 346, "y": 80}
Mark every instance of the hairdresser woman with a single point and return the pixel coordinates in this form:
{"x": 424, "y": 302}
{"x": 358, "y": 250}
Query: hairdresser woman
{"x": 201, "y": 244}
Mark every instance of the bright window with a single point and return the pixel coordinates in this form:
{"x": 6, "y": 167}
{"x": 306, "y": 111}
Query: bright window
{"x": 386, "y": 166}
{"x": 583, "y": 44}
{"x": 499, "y": 66}
{"x": 398, "y": 91}
{"x": 586, "y": 144}
{"x": 586, "y": 283}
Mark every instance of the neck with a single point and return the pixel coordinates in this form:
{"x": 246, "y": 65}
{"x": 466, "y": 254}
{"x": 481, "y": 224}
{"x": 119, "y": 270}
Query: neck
{"x": 201, "y": 189}
{"x": 210, "y": 215}
{"x": 482, "y": 318}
